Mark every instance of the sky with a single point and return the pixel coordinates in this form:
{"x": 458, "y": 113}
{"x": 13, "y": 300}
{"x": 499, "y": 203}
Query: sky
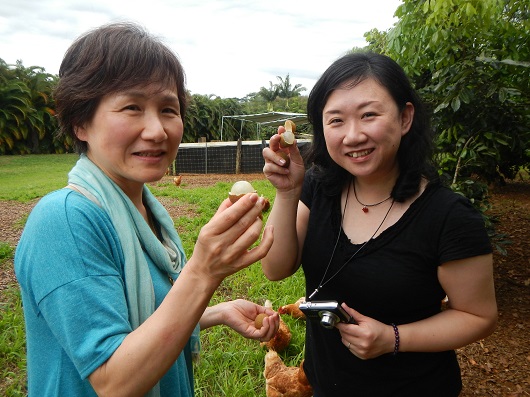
{"x": 229, "y": 48}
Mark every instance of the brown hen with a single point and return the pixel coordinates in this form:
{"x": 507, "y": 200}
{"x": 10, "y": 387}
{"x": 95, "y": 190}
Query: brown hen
{"x": 293, "y": 309}
{"x": 283, "y": 381}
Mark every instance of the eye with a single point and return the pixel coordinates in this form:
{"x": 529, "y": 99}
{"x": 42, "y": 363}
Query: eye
{"x": 334, "y": 120}
{"x": 131, "y": 107}
{"x": 368, "y": 115}
{"x": 171, "y": 110}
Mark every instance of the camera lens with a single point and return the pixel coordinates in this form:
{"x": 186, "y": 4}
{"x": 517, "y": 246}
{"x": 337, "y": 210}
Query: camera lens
{"x": 328, "y": 319}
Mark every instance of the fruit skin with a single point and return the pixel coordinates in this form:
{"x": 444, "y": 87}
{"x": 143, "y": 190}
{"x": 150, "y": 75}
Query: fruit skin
{"x": 286, "y": 157}
{"x": 258, "y": 321}
{"x": 290, "y": 126}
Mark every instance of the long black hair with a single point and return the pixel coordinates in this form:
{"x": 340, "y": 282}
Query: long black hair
{"x": 416, "y": 149}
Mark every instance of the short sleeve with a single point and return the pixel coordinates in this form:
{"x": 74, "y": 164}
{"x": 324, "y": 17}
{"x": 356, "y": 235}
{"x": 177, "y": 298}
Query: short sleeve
{"x": 70, "y": 262}
{"x": 463, "y": 233}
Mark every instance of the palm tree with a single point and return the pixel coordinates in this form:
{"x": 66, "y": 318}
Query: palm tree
{"x": 269, "y": 94}
{"x": 286, "y": 91}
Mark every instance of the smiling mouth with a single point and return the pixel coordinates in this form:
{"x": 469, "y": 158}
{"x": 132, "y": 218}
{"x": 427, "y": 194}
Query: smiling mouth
{"x": 360, "y": 153}
{"x": 149, "y": 154}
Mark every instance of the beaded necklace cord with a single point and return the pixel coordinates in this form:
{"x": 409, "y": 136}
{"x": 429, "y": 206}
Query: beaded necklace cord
{"x": 365, "y": 206}
{"x": 323, "y": 281}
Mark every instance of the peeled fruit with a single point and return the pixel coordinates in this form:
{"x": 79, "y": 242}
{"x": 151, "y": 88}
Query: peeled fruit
{"x": 258, "y": 321}
{"x": 239, "y": 189}
{"x": 286, "y": 139}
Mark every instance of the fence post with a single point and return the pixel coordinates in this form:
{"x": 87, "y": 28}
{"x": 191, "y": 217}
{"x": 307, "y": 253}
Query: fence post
{"x": 238, "y": 156}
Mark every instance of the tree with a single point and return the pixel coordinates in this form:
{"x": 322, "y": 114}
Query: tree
{"x": 469, "y": 60}
{"x": 285, "y": 90}
{"x": 269, "y": 95}
{"x": 26, "y": 110}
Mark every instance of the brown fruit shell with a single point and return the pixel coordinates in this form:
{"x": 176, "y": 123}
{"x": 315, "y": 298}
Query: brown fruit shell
{"x": 290, "y": 126}
{"x": 258, "y": 321}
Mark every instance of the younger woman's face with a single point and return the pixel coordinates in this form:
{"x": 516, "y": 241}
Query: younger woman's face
{"x": 134, "y": 135}
{"x": 363, "y": 128}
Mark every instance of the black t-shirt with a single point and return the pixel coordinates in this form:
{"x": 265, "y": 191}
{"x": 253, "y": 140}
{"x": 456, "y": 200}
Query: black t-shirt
{"x": 392, "y": 279}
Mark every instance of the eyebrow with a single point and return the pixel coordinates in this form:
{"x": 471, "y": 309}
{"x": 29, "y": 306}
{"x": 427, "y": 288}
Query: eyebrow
{"x": 142, "y": 94}
{"x": 358, "y": 106}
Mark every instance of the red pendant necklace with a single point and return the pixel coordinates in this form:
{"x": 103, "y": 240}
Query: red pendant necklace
{"x": 366, "y": 206}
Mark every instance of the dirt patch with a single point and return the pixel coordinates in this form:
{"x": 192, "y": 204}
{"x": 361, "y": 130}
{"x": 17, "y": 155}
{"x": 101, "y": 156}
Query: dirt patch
{"x": 496, "y": 366}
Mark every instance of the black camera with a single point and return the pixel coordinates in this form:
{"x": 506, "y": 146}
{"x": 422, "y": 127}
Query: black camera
{"x": 328, "y": 313}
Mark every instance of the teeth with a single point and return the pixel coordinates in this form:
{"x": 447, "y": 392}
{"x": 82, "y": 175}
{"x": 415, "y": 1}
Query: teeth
{"x": 148, "y": 154}
{"x": 360, "y": 154}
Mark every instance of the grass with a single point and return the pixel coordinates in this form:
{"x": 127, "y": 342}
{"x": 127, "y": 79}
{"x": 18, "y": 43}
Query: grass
{"x": 230, "y": 365}
{"x": 24, "y": 178}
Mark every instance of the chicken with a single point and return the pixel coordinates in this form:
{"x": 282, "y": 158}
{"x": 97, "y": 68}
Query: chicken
{"x": 177, "y": 180}
{"x": 293, "y": 309}
{"x": 283, "y": 381}
{"x": 281, "y": 338}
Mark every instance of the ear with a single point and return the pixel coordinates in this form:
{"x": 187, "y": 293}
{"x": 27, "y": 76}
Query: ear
{"x": 407, "y": 115}
{"x": 80, "y": 133}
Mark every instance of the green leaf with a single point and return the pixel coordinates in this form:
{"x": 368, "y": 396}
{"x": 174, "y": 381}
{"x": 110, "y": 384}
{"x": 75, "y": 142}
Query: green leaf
{"x": 455, "y": 104}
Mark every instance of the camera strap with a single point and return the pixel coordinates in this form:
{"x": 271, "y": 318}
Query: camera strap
{"x": 323, "y": 281}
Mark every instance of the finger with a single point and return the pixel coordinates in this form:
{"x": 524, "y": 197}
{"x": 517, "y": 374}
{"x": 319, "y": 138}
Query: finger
{"x": 274, "y": 141}
{"x": 352, "y": 312}
{"x": 250, "y": 206}
{"x": 258, "y": 252}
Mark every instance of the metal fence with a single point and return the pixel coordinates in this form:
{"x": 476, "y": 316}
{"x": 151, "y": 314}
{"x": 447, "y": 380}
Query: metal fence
{"x": 235, "y": 157}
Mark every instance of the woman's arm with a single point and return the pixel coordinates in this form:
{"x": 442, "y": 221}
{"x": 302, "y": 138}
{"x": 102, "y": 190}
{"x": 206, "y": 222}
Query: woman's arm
{"x": 221, "y": 249}
{"x": 288, "y": 215}
{"x": 471, "y": 315}
{"x": 472, "y": 310}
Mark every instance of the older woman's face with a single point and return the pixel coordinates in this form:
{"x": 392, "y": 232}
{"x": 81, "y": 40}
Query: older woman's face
{"x": 363, "y": 128}
{"x": 134, "y": 135}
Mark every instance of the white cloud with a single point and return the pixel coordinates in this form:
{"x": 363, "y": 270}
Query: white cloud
{"x": 229, "y": 48}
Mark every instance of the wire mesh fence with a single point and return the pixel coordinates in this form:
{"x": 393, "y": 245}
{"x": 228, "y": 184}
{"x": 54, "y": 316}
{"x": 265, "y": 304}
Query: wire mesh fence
{"x": 235, "y": 157}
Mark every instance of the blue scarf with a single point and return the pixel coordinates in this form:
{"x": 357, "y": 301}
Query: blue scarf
{"x": 135, "y": 237}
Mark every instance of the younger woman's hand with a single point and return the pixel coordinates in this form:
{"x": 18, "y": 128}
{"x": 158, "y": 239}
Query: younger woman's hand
{"x": 282, "y": 177}
{"x": 368, "y": 338}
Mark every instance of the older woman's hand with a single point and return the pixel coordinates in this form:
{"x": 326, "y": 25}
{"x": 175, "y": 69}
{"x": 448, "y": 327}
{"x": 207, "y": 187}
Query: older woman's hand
{"x": 224, "y": 244}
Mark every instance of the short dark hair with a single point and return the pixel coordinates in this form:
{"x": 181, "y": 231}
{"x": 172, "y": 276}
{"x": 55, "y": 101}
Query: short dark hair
{"x": 416, "y": 148}
{"x": 111, "y": 58}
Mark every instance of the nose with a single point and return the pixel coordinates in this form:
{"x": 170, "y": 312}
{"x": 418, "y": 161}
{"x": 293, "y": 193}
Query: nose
{"x": 354, "y": 133}
{"x": 153, "y": 128}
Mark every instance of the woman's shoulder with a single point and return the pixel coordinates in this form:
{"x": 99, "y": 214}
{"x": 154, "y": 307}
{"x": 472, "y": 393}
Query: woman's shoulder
{"x": 66, "y": 207}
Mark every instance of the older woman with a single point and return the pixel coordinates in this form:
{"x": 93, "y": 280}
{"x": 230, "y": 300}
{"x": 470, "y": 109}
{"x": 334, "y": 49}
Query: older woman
{"x": 112, "y": 306}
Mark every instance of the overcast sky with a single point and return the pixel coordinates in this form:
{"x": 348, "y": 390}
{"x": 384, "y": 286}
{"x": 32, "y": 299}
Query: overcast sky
{"x": 229, "y": 48}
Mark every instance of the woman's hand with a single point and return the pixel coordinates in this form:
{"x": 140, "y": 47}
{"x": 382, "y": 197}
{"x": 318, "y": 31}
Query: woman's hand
{"x": 283, "y": 178}
{"x": 368, "y": 338}
{"x": 223, "y": 245}
{"x": 240, "y": 315}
